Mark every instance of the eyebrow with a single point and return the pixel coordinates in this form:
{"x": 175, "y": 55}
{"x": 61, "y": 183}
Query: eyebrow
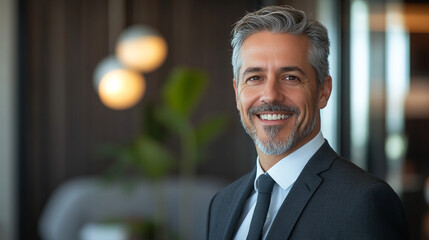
{"x": 281, "y": 70}
{"x": 252, "y": 70}
{"x": 292, "y": 69}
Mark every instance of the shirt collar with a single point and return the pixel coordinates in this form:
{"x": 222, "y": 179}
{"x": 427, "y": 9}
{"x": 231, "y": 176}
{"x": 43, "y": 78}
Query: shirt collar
{"x": 287, "y": 170}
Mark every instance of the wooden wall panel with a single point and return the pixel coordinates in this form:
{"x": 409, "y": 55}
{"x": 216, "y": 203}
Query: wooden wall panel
{"x": 63, "y": 119}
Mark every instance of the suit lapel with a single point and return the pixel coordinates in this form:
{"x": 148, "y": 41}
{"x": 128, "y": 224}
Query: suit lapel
{"x": 240, "y": 198}
{"x": 301, "y": 192}
{"x": 292, "y": 207}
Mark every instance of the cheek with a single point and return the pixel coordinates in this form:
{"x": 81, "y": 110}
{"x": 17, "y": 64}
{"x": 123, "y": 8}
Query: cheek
{"x": 241, "y": 105}
{"x": 246, "y": 98}
{"x": 308, "y": 105}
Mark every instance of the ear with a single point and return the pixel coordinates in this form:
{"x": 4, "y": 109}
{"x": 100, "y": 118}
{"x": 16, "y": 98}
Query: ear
{"x": 325, "y": 92}
{"x": 234, "y": 83}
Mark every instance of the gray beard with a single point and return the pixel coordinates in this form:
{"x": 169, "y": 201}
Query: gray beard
{"x": 274, "y": 146}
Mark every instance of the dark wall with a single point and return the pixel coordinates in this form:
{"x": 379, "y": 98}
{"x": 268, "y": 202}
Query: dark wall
{"x": 61, "y": 118}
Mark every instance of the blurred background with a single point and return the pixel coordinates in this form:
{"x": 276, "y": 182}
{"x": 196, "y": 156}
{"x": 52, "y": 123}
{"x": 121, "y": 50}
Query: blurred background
{"x": 60, "y": 140}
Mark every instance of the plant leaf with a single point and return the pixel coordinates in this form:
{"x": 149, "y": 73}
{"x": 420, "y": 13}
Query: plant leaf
{"x": 183, "y": 90}
{"x": 154, "y": 160}
{"x": 171, "y": 120}
{"x": 209, "y": 129}
{"x": 152, "y": 127}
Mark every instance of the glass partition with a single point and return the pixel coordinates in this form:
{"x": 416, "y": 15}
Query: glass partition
{"x": 389, "y": 99}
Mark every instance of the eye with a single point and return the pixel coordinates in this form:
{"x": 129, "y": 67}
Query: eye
{"x": 291, "y": 78}
{"x": 253, "y": 78}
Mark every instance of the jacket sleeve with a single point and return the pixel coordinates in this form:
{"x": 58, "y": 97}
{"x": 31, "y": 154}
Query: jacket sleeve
{"x": 376, "y": 213}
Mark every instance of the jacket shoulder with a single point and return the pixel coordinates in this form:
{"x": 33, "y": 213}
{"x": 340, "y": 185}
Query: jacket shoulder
{"x": 225, "y": 207}
{"x": 229, "y": 191}
{"x": 352, "y": 174}
{"x": 370, "y": 205}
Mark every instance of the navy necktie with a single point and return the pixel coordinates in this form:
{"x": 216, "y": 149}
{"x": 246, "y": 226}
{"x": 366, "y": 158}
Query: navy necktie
{"x": 265, "y": 187}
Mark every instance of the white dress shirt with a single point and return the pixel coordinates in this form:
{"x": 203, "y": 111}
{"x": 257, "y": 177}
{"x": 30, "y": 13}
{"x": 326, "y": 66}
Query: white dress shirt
{"x": 284, "y": 173}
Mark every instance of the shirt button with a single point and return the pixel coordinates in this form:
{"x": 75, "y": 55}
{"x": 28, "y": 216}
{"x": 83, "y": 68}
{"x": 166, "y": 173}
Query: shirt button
{"x": 268, "y": 215}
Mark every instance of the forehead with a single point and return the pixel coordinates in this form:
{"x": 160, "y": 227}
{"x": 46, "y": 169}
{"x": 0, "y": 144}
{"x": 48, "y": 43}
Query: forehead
{"x": 277, "y": 49}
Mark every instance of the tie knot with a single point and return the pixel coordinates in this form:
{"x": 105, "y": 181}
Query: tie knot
{"x": 265, "y": 183}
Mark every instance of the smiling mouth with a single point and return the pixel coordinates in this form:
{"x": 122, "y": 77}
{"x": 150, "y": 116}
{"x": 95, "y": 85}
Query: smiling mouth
{"x": 274, "y": 117}
{"x": 275, "y": 112}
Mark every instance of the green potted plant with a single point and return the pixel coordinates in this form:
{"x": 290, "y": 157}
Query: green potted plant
{"x": 149, "y": 155}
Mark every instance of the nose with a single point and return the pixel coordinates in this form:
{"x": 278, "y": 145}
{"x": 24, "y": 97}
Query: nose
{"x": 272, "y": 91}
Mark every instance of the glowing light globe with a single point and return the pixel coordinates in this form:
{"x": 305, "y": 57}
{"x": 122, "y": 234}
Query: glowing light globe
{"x": 118, "y": 88}
{"x": 141, "y": 48}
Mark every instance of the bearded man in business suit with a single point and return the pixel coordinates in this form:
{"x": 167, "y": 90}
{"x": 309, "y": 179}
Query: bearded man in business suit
{"x": 300, "y": 188}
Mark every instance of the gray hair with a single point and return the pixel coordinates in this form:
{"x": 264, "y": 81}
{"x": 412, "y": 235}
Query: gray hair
{"x": 283, "y": 19}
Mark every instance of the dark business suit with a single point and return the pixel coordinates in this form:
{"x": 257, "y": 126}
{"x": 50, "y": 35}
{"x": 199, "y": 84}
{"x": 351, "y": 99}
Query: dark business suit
{"x": 331, "y": 199}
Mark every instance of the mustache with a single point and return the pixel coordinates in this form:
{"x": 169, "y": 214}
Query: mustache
{"x": 274, "y": 107}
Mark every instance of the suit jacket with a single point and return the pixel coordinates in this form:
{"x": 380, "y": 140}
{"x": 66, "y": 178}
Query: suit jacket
{"x": 331, "y": 199}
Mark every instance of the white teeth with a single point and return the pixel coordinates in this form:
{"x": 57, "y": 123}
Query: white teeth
{"x": 274, "y": 116}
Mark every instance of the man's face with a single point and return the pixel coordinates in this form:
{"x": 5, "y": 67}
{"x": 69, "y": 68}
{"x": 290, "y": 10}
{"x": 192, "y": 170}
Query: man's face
{"x": 277, "y": 93}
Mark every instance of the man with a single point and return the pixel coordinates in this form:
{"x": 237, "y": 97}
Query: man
{"x": 300, "y": 188}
